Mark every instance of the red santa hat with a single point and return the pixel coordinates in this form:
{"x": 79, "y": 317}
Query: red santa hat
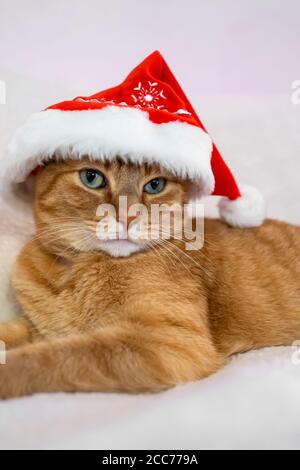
{"x": 147, "y": 118}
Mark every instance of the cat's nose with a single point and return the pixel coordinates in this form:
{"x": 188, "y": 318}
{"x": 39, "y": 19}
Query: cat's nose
{"x": 128, "y": 219}
{"x": 131, "y": 219}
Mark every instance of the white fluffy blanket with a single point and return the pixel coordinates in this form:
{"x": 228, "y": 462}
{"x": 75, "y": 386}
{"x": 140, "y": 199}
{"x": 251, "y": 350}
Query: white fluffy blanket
{"x": 254, "y": 402}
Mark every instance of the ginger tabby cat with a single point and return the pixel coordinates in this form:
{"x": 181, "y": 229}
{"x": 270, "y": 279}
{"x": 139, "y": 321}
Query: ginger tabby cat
{"x": 139, "y": 316}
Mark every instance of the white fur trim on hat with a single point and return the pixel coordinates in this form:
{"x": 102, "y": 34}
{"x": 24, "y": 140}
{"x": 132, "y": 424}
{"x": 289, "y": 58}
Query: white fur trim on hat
{"x": 249, "y": 210}
{"x": 104, "y": 134}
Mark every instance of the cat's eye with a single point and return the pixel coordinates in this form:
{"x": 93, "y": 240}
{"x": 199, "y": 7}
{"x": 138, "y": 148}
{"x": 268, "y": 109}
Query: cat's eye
{"x": 93, "y": 179}
{"x": 155, "y": 186}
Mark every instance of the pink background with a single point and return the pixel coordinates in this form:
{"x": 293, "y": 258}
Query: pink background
{"x": 215, "y": 47}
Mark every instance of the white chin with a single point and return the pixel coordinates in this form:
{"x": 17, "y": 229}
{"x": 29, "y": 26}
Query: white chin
{"x": 119, "y": 248}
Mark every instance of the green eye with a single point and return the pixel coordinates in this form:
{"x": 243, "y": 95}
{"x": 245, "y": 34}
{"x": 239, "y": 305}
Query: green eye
{"x": 93, "y": 179}
{"x": 155, "y": 186}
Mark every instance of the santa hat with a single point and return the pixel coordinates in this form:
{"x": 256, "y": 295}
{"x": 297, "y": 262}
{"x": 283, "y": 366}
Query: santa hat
{"x": 147, "y": 118}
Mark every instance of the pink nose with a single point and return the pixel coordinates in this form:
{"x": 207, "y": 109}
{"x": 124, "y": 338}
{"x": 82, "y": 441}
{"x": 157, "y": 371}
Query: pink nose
{"x": 127, "y": 220}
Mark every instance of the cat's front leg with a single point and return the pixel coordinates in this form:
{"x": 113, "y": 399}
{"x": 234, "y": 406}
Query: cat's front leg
{"x": 129, "y": 357}
{"x": 15, "y": 333}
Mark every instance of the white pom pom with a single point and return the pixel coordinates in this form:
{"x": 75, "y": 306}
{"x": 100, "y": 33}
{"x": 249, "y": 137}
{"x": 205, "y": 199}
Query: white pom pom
{"x": 249, "y": 210}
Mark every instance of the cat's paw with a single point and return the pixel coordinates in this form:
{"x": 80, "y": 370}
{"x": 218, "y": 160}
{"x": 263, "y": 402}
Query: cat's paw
{"x": 5, "y": 389}
{"x": 10, "y": 378}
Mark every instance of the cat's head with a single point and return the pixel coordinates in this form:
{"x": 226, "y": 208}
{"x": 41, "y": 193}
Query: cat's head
{"x": 93, "y": 206}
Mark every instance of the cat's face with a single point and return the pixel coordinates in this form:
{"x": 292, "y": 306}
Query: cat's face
{"x": 71, "y": 197}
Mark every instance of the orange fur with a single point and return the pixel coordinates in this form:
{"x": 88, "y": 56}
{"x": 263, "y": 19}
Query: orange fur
{"x": 146, "y": 322}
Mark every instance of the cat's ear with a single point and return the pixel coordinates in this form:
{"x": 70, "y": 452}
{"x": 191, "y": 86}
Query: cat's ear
{"x": 194, "y": 189}
{"x": 21, "y": 197}
{"x": 29, "y": 187}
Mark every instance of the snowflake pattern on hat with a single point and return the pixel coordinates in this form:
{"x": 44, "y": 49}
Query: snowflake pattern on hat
{"x": 149, "y": 95}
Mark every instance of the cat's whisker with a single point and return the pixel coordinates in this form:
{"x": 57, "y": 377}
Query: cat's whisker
{"x": 60, "y": 227}
{"x": 173, "y": 245}
{"x": 184, "y": 253}
{"x": 156, "y": 248}
{"x": 71, "y": 249}
{"x": 174, "y": 255}
{"x": 56, "y": 230}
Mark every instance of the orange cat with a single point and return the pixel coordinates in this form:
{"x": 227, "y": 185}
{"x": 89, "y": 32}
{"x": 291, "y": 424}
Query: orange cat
{"x": 134, "y": 314}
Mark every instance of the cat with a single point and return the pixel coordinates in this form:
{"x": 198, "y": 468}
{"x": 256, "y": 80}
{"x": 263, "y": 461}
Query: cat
{"x": 139, "y": 315}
